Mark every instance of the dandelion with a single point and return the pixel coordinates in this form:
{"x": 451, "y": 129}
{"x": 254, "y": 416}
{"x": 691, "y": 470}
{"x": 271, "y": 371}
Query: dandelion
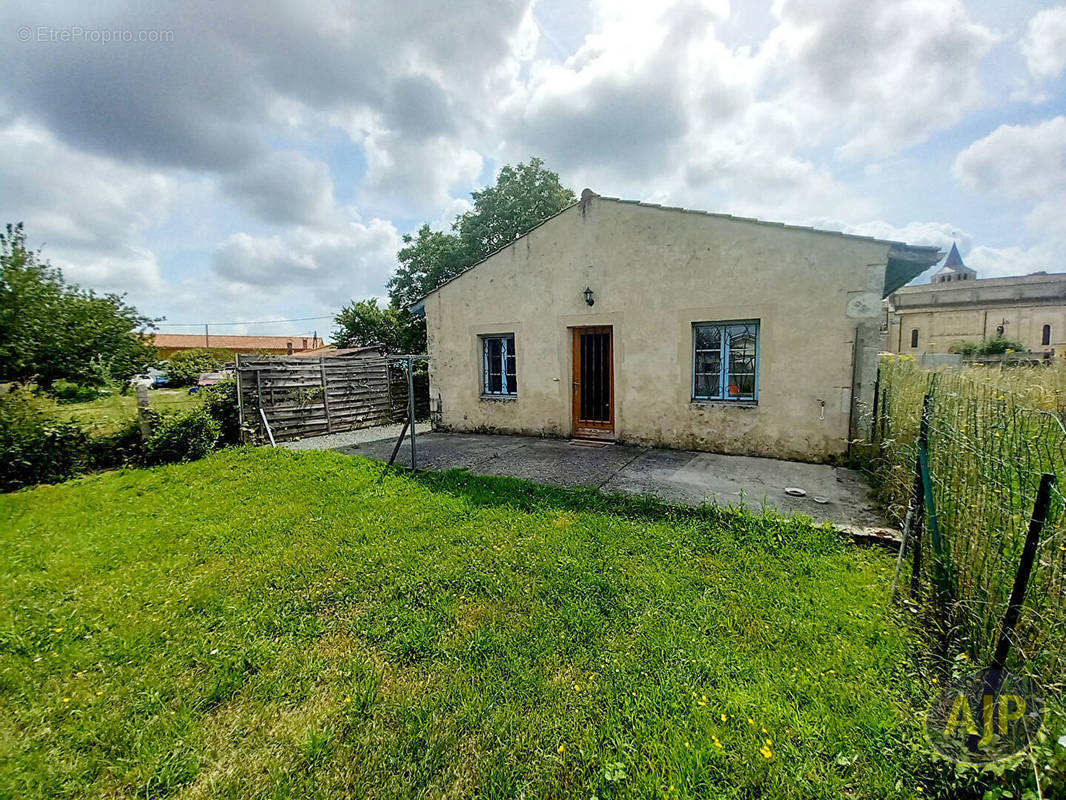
{"x": 562, "y": 749}
{"x": 66, "y": 699}
{"x": 724, "y": 717}
{"x": 577, "y": 687}
{"x": 767, "y": 753}
{"x": 59, "y": 630}
{"x": 751, "y": 721}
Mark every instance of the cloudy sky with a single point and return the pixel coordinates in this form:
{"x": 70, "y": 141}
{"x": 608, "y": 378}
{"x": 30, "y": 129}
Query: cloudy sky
{"x": 225, "y": 160}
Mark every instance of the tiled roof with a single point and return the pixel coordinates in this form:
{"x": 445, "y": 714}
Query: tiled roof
{"x": 190, "y": 340}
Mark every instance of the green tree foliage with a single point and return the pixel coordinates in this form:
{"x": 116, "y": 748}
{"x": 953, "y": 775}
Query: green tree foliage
{"x": 427, "y": 259}
{"x": 363, "y": 323}
{"x": 522, "y": 198}
{"x": 50, "y": 329}
{"x": 992, "y": 347}
{"x": 185, "y": 366}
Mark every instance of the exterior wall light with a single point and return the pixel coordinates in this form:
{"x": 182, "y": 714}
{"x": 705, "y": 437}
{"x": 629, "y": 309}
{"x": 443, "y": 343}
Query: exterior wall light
{"x": 589, "y": 298}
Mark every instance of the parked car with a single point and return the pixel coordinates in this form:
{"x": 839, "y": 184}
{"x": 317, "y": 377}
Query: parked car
{"x": 207, "y": 379}
{"x": 153, "y": 379}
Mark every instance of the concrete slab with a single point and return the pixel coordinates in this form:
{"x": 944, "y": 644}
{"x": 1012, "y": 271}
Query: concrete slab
{"x": 676, "y": 476}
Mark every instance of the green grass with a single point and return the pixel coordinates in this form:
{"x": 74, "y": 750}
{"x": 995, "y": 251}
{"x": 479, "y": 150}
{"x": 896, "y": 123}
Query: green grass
{"x": 275, "y": 624}
{"x": 114, "y": 409}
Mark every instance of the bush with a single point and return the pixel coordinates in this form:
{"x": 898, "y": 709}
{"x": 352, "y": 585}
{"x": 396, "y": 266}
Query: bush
{"x": 34, "y": 446}
{"x": 180, "y": 436}
{"x": 117, "y": 448}
{"x": 185, "y": 366}
{"x": 69, "y": 392}
{"x": 220, "y": 401}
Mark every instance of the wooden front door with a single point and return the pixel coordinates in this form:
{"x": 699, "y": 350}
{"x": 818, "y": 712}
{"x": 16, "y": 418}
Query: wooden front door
{"x": 593, "y": 401}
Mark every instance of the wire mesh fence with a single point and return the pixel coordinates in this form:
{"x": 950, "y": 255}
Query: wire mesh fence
{"x": 988, "y": 444}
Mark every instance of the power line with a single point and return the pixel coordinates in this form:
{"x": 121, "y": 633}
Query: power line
{"x": 239, "y": 322}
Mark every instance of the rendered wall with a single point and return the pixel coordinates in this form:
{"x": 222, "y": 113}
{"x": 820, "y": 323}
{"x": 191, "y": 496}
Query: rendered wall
{"x": 654, "y": 273}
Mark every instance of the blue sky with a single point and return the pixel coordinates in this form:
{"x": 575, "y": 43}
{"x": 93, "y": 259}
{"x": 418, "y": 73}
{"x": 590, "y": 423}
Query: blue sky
{"x": 222, "y": 161}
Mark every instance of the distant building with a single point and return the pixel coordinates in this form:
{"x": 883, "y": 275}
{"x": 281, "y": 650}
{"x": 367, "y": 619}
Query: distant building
{"x": 168, "y": 344}
{"x": 953, "y": 269}
{"x": 959, "y": 307}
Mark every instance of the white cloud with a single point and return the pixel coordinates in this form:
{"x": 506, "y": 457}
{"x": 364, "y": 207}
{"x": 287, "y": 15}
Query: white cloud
{"x": 881, "y": 75}
{"x": 87, "y": 211}
{"x": 350, "y": 260}
{"x": 1044, "y": 44}
{"x": 1024, "y": 163}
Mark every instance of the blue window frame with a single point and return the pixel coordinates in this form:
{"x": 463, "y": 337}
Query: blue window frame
{"x": 499, "y": 370}
{"x": 725, "y": 361}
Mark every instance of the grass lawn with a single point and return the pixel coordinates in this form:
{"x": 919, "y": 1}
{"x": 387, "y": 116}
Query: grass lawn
{"x": 267, "y": 623}
{"x": 114, "y": 409}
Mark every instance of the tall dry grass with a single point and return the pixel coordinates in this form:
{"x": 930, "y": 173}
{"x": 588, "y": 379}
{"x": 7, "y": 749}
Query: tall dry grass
{"x": 993, "y": 431}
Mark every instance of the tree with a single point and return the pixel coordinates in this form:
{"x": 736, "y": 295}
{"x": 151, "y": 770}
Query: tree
{"x": 522, "y": 198}
{"x": 363, "y": 323}
{"x": 185, "y": 366}
{"x": 427, "y": 259}
{"x": 50, "y": 329}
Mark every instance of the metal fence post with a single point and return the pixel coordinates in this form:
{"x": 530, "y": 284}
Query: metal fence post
{"x": 1025, "y": 569}
{"x": 411, "y": 407}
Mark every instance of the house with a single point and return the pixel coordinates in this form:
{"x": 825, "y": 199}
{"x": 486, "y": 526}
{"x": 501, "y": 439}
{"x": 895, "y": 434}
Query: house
{"x": 168, "y": 344}
{"x": 959, "y": 307}
{"x": 662, "y": 326}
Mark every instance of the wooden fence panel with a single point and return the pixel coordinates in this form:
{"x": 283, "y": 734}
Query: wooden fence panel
{"x": 308, "y": 397}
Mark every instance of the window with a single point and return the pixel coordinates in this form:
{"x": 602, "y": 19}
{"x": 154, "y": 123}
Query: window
{"x": 914, "y": 337}
{"x": 499, "y": 375}
{"x": 1045, "y": 336}
{"x": 725, "y": 361}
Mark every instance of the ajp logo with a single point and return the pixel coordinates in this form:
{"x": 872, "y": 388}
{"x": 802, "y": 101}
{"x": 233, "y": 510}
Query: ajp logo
{"x": 984, "y": 717}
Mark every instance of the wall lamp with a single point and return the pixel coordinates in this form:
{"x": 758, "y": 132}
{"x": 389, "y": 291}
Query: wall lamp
{"x": 589, "y": 297}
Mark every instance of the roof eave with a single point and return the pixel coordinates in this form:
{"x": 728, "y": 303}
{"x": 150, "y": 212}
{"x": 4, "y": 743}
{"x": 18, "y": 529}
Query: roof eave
{"x": 905, "y": 263}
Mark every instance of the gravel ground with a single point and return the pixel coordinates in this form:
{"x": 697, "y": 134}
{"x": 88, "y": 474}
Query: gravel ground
{"x": 332, "y": 441}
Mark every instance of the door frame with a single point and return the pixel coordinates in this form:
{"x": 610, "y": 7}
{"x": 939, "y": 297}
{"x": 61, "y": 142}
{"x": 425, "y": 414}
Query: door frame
{"x": 587, "y": 429}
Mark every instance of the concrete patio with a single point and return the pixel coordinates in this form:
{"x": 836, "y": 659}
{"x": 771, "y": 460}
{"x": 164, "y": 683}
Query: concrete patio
{"x": 833, "y": 494}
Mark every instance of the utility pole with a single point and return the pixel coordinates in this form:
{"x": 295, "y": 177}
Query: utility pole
{"x": 207, "y": 336}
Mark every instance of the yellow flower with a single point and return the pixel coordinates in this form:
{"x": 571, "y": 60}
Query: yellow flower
{"x": 766, "y": 752}
{"x": 66, "y": 699}
{"x": 724, "y": 717}
{"x": 702, "y": 702}
{"x": 717, "y": 743}
{"x": 751, "y": 721}
{"x": 59, "y": 630}
{"x": 562, "y": 749}
{"x": 577, "y": 687}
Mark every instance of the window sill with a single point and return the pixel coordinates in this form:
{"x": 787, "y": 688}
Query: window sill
{"x": 502, "y": 398}
{"x": 696, "y": 401}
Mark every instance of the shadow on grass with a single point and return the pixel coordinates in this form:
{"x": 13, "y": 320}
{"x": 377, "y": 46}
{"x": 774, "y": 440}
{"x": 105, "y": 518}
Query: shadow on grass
{"x": 767, "y": 528}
